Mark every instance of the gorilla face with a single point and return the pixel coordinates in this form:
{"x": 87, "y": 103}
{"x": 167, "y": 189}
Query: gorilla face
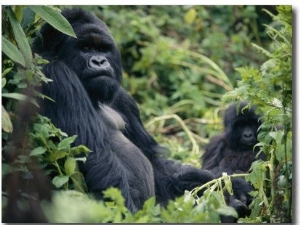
{"x": 93, "y": 55}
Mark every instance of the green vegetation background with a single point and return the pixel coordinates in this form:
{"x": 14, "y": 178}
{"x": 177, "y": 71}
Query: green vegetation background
{"x": 182, "y": 65}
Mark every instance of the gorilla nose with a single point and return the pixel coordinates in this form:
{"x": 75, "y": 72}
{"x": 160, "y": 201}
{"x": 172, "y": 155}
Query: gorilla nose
{"x": 248, "y": 135}
{"x": 98, "y": 62}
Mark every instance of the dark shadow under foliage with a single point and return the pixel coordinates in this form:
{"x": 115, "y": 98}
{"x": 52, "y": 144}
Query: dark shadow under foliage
{"x": 26, "y": 187}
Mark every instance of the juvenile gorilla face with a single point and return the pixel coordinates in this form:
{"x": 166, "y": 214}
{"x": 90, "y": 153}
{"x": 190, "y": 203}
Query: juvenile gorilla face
{"x": 241, "y": 127}
{"x": 247, "y": 130}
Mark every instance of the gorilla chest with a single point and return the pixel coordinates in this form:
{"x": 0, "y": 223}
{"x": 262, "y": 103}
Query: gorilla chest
{"x": 238, "y": 160}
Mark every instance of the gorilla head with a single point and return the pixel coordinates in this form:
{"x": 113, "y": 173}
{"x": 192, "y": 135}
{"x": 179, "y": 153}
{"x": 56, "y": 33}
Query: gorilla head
{"x": 241, "y": 126}
{"x": 93, "y": 55}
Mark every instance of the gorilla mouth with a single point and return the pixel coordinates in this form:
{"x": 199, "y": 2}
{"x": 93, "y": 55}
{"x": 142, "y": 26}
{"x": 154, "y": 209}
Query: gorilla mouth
{"x": 249, "y": 142}
{"x": 96, "y": 74}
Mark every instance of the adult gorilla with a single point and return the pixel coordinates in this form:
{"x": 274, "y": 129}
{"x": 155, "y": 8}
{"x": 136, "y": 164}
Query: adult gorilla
{"x": 90, "y": 103}
{"x": 233, "y": 150}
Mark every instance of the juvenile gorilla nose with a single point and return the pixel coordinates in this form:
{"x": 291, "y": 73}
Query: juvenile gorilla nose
{"x": 248, "y": 134}
{"x": 98, "y": 62}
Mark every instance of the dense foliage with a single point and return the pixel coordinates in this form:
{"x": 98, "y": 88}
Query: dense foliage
{"x": 182, "y": 64}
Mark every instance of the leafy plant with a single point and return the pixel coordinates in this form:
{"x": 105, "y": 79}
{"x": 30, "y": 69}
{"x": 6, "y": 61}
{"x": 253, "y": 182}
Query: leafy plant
{"x": 271, "y": 89}
{"x": 53, "y": 148}
{"x": 22, "y": 74}
{"x": 21, "y": 69}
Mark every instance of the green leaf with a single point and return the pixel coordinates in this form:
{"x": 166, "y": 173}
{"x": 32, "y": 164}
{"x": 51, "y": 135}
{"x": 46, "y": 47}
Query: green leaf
{"x": 78, "y": 182}
{"x": 59, "y": 181}
{"x": 80, "y": 149}
{"x": 38, "y": 151}
{"x": 12, "y": 52}
{"x": 116, "y": 195}
{"x": 190, "y": 16}
{"x": 54, "y": 18}
{"x": 6, "y": 71}
{"x": 277, "y": 136}
{"x": 6, "y": 169}
{"x": 20, "y": 38}
{"x": 6, "y": 122}
{"x": 70, "y": 165}
{"x": 19, "y": 12}
{"x": 58, "y": 154}
{"x": 65, "y": 143}
{"x": 20, "y": 97}
{"x": 28, "y": 18}
{"x": 227, "y": 211}
{"x": 15, "y": 96}
{"x": 3, "y": 82}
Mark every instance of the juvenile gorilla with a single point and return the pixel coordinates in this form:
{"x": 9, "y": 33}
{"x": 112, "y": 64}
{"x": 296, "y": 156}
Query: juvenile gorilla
{"x": 90, "y": 103}
{"x": 232, "y": 151}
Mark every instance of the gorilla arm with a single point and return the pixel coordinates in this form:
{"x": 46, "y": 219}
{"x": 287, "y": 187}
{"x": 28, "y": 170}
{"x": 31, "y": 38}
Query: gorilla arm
{"x": 171, "y": 178}
{"x": 214, "y": 152}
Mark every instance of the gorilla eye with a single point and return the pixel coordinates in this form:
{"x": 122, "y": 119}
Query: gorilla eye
{"x": 100, "y": 49}
{"x": 86, "y": 48}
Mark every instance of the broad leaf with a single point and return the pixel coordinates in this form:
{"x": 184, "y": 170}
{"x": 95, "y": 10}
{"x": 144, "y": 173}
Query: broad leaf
{"x": 54, "y": 18}
{"x": 70, "y": 165}
{"x": 20, "y": 38}
{"x": 78, "y": 182}
{"x": 12, "y": 52}
{"x": 66, "y": 143}
{"x": 59, "y": 181}
{"x": 6, "y": 122}
{"x": 28, "y": 18}
{"x": 38, "y": 151}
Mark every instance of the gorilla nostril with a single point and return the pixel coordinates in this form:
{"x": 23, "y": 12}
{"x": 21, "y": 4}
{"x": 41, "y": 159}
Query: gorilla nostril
{"x": 102, "y": 61}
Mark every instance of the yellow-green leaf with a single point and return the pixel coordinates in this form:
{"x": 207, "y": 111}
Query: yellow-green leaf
{"x": 38, "y": 151}
{"x": 12, "y": 52}
{"x": 3, "y": 82}
{"x": 59, "y": 181}
{"x": 190, "y": 16}
{"x": 19, "y": 12}
{"x": 70, "y": 165}
{"x": 6, "y": 122}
